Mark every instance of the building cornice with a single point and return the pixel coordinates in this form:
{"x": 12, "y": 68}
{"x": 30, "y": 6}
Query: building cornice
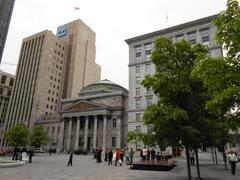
{"x": 171, "y": 29}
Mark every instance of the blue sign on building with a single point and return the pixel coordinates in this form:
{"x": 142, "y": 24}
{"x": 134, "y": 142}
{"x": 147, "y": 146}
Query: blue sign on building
{"x": 62, "y": 31}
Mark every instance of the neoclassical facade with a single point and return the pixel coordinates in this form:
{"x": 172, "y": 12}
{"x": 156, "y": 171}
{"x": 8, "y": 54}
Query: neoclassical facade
{"x": 97, "y": 118}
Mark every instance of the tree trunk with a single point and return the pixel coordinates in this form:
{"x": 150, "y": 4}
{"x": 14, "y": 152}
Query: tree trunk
{"x": 216, "y": 158}
{"x": 197, "y": 164}
{"x": 224, "y": 157}
{"x": 213, "y": 160}
{"x": 188, "y": 164}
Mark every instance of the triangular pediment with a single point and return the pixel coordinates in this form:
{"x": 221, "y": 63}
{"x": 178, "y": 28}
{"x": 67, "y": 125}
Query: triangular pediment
{"x": 83, "y": 105}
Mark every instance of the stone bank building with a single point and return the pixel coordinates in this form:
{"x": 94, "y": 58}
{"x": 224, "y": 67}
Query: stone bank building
{"x": 97, "y": 118}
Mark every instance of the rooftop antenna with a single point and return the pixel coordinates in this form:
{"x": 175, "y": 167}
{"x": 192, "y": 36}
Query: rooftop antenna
{"x": 167, "y": 18}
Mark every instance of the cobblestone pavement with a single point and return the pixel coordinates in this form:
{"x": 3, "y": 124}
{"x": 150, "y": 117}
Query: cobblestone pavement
{"x": 45, "y": 167}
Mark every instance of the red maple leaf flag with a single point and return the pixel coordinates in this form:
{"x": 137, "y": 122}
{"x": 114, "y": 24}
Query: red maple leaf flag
{"x": 76, "y": 8}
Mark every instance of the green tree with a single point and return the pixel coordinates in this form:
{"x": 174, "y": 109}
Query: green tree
{"x": 221, "y": 76}
{"x": 178, "y": 117}
{"x": 17, "y": 136}
{"x": 38, "y": 136}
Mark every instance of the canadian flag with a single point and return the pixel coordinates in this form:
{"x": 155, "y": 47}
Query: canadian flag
{"x": 76, "y": 8}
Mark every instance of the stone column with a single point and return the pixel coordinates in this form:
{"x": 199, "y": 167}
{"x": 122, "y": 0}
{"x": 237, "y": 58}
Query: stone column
{"x": 104, "y": 132}
{"x": 119, "y": 132}
{"x": 77, "y": 134}
{"x": 86, "y": 132}
{"x": 95, "y": 132}
{"x": 69, "y": 134}
{"x": 61, "y": 134}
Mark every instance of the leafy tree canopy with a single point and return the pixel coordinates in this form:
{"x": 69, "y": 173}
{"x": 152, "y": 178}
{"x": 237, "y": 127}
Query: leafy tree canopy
{"x": 17, "y": 136}
{"x": 38, "y": 136}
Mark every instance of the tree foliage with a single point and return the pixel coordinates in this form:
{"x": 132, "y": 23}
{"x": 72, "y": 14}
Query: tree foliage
{"x": 38, "y": 136}
{"x": 221, "y": 76}
{"x": 17, "y": 136}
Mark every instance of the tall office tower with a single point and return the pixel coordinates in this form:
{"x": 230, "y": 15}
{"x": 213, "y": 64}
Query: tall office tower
{"x": 6, "y": 84}
{"x": 140, "y": 48}
{"x": 6, "y": 8}
{"x": 51, "y": 67}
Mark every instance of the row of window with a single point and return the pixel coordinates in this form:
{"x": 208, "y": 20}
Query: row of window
{"x": 4, "y": 78}
{"x": 138, "y": 91}
{"x": 8, "y": 92}
{"x": 147, "y": 68}
{"x": 138, "y": 102}
{"x": 191, "y": 36}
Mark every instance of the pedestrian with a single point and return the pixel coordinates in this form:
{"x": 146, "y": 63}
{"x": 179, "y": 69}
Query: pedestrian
{"x": 99, "y": 155}
{"x": 131, "y": 155}
{"x": 110, "y": 156}
{"x": 106, "y": 155}
{"x": 15, "y": 154}
{"x": 232, "y": 158}
{"x": 127, "y": 157}
{"x": 144, "y": 153}
{"x": 70, "y": 159}
{"x": 30, "y": 155}
{"x": 153, "y": 152}
{"x": 192, "y": 158}
{"x": 117, "y": 156}
{"x": 121, "y": 154}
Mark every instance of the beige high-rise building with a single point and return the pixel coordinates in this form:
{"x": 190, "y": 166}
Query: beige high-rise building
{"x": 140, "y": 64}
{"x": 52, "y": 67}
{"x": 6, "y": 84}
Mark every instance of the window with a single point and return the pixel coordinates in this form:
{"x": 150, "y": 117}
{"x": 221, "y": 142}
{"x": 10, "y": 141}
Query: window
{"x": 9, "y": 93}
{"x": 138, "y": 91}
{"x": 137, "y": 69}
{"x": 192, "y": 37}
{"x": 149, "y": 101}
{"x": 148, "y": 57}
{"x": 114, "y": 123}
{"x": 53, "y": 130}
{"x": 11, "y": 82}
{"x": 138, "y": 103}
{"x": 138, "y": 81}
{"x": 205, "y": 37}
{"x": 58, "y": 129}
{"x": 113, "y": 141}
{"x": 138, "y": 52}
{"x": 81, "y": 124}
{"x": 89, "y": 125}
{"x": 138, "y": 59}
{"x": 148, "y": 91}
{"x": 148, "y": 48}
{"x": 47, "y": 131}
{"x": 138, "y": 128}
{"x": 1, "y": 90}
{"x": 138, "y": 117}
{"x": 3, "y": 79}
{"x": 179, "y": 37}
{"x": 148, "y": 68}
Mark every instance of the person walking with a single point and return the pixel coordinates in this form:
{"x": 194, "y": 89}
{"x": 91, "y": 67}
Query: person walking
{"x": 99, "y": 155}
{"x": 232, "y": 160}
{"x": 117, "y": 156}
{"x": 70, "y": 159}
{"x": 110, "y": 156}
{"x": 131, "y": 155}
{"x": 106, "y": 155}
{"x": 153, "y": 153}
{"x": 30, "y": 155}
{"x": 192, "y": 158}
{"x": 144, "y": 153}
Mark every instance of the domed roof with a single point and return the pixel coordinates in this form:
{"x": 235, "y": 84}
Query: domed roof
{"x": 102, "y": 87}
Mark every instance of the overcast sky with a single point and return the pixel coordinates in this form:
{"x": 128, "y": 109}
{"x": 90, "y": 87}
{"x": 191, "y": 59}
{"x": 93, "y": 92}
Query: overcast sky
{"x": 112, "y": 20}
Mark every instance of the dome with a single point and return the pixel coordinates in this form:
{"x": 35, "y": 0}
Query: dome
{"x": 102, "y": 87}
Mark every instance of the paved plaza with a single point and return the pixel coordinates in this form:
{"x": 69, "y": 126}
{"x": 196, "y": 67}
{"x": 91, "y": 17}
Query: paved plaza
{"x": 45, "y": 167}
